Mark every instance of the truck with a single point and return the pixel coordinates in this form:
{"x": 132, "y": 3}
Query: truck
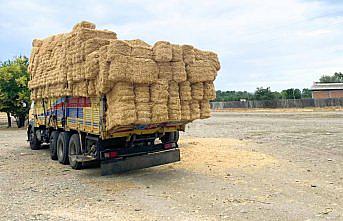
{"x": 74, "y": 128}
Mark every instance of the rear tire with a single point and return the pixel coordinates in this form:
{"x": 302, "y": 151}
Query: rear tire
{"x": 62, "y": 147}
{"x": 74, "y": 149}
{"x": 35, "y": 144}
{"x": 53, "y": 144}
{"x": 170, "y": 137}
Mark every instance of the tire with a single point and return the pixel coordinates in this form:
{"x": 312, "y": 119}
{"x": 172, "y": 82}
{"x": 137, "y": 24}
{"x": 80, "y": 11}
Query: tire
{"x": 170, "y": 137}
{"x": 74, "y": 149}
{"x": 53, "y": 145}
{"x": 62, "y": 147}
{"x": 35, "y": 144}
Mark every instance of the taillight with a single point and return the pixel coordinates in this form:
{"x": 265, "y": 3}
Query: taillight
{"x": 169, "y": 145}
{"x": 112, "y": 154}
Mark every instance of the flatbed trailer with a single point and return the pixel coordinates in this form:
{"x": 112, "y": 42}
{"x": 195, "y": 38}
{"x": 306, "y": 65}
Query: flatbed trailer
{"x": 75, "y": 129}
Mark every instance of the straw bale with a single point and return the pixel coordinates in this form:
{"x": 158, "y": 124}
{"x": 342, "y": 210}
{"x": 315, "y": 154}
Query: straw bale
{"x": 143, "y": 113}
{"x": 80, "y": 89}
{"x": 159, "y": 113}
{"x": 118, "y": 47}
{"x": 177, "y": 53}
{"x": 178, "y": 71}
{"x": 201, "y": 71}
{"x": 37, "y": 43}
{"x": 84, "y": 24}
{"x": 197, "y": 91}
{"x": 209, "y": 91}
{"x": 159, "y": 92}
{"x": 137, "y": 42}
{"x": 162, "y": 51}
{"x": 93, "y": 44}
{"x": 208, "y": 56}
{"x": 174, "y": 108}
{"x": 118, "y": 68}
{"x": 185, "y": 111}
{"x": 123, "y": 112}
{"x": 142, "y": 93}
{"x": 165, "y": 71}
{"x": 173, "y": 89}
{"x": 195, "y": 109}
{"x": 185, "y": 91}
{"x": 205, "y": 109}
{"x": 141, "y": 52}
{"x": 91, "y": 90}
{"x": 188, "y": 54}
{"x": 83, "y": 34}
{"x": 92, "y": 65}
{"x": 142, "y": 71}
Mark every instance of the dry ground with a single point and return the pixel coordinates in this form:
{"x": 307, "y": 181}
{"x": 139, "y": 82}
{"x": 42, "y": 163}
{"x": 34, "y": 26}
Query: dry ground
{"x": 235, "y": 166}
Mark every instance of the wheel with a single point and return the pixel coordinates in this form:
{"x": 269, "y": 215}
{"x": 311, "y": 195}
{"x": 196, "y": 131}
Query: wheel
{"x": 62, "y": 147}
{"x": 53, "y": 144}
{"x": 35, "y": 144}
{"x": 170, "y": 137}
{"x": 74, "y": 149}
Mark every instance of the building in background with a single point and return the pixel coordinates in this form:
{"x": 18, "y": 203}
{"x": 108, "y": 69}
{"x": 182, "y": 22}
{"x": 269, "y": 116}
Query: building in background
{"x": 327, "y": 90}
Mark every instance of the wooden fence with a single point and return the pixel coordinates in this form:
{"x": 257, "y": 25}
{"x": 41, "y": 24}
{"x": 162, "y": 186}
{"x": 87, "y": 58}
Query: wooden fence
{"x": 282, "y": 103}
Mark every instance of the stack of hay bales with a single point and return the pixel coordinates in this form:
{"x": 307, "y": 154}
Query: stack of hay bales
{"x": 143, "y": 84}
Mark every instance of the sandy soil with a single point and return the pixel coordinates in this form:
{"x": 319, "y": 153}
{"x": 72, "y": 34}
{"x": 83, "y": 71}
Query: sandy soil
{"x": 235, "y": 166}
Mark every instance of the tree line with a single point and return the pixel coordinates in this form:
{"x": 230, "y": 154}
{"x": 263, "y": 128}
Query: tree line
{"x": 14, "y": 92}
{"x": 263, "y": 94}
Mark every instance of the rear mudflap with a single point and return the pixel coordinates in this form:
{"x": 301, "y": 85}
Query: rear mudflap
{"x": 109, "y": 167}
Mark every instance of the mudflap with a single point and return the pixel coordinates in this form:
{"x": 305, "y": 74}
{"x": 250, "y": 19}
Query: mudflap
{"x": 109, "y": 167}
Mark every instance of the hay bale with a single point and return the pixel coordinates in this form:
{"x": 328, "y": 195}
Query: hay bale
{"x": 84, "y": 24}
{"x": 118, "y": 68}
{"x": 143, "y": 113}
{"x": 142, "y": 93}
{"x": 205, "y": 109}
{"x": 188, "y": 54}
{"x": 201, "y": 71}
{"x": 177, "y": 53}
{"x": 118, "y": 47}
{"x": 173, "y": 89}
{"x": 142, "y": 71}
{"x": 165, "y": 71}
{"x": 185, "y": 111}
{"x": 178, "y": 71}
{"x": 162, "y": 51}
{"x": 185, "y": 91}
{"x": 137, "y": 42}
{"x": 159, "y": 92}
{"x": 197, "y": 91}
{"x": 159, "y": 113}
{"x": 209, "y": 91}
{"x": 208, "y": 56}
{"x": 91, "y": 90}
{"x": 195, "y": 110}
{"x": 92, "y": 65}
{"x": 124, "y": 110}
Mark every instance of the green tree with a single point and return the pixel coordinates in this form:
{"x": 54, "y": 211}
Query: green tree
{"x": 14, "y": 93}
{"x": 337, "y": 77}
{"x": 265, "y": 94}
{"x": 291, "y": 93}
{"x": 306, "y": 93}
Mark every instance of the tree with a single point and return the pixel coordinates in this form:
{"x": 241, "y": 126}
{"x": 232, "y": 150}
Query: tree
{"x": 14, "y": 93}
{"x": 291, "y": 94}
{"x": 264, "y": 94}
{"x": 337, "y": 77}
{"x": 306, "y": 93}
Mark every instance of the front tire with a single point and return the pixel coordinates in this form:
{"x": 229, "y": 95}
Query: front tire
{"x": 35, "y": 144}
{"x": 62, "y": 147}
{"x": 74, "y": 149}
{"x": 53, "y": 144}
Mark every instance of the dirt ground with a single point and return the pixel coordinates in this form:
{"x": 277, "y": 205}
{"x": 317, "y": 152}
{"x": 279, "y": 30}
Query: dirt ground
{"x": 235, "y": 166}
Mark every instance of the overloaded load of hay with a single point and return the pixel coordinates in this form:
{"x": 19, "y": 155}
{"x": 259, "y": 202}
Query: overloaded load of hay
{"x": 143, "y": 84}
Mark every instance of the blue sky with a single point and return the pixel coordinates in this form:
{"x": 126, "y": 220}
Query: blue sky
{"x": 281, "y": 44}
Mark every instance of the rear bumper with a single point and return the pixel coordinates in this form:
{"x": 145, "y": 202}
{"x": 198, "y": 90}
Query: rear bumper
{"x": 139, "y": 162}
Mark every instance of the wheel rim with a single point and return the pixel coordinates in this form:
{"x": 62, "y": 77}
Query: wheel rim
{"x": 60, "y": 149}
{"x": 72, "y": 151}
